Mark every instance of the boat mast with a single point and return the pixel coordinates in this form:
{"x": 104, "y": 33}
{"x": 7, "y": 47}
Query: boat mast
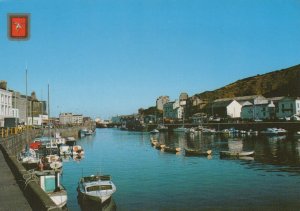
{"x": 49, "y": 127}
{"x": 26, "y": 113}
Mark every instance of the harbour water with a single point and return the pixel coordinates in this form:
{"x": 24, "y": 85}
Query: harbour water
{"x": 149, "y": 179}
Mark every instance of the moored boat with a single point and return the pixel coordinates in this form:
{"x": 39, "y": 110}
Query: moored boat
{"x": 28, "y": 157}
{"x": 274, "y": 131}
{"x": 96, "y": 188}
{"x": 162, "y": 128}
{"x": 195, "y": 152}
{"x": 49, "y": 181}
{"x": 171, "y": 149}
{"x": 77, "y": 150}
{"x": 154, "y": 131}
{"x": 236, "y": 153}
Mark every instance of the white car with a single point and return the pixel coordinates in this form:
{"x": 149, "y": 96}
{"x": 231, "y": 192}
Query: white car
{"x": 295, "y": 118}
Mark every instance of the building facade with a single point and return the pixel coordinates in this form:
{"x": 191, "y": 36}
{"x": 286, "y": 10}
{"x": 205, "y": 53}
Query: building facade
{"x": 5, "y": 105}
{"x": 173, "y": 110}
{"x": 161, "y": 101}
{"x": 226, "y": 108}
{"x": 288, "y": 107}
{"x": 70, "y": 118}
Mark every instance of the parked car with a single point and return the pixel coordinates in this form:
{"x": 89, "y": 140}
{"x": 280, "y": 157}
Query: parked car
{"x": 295, "y": 118}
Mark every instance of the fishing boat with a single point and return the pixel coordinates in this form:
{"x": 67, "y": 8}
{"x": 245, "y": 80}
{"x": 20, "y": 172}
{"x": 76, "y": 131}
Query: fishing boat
{"x": 236, "y": 153}
{"x": 49, "y": 181}
{"x": 96, "y": 188}
{"x": 28, "y": 157}
{"x": 195, "y": 152}
{"x": 77, "y": 150}
{"x": 90, "y": 132}
{"x": 35, "y": 145}
{"x": 65, "y": 150}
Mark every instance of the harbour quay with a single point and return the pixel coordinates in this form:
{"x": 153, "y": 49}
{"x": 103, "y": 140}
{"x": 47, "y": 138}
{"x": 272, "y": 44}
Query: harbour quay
{"x": 19, "y": 189}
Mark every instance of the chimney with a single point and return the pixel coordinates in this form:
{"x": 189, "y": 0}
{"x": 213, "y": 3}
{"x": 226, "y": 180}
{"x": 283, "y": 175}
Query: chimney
{"x": 3, "y": 85}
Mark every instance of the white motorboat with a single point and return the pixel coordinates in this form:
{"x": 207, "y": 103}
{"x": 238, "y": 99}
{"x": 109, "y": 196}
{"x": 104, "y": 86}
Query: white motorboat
{"x": 96, "y": 188}
{"x": 154, "y": 131}
{"x": 209, "y": 131}
{"x": 90, "y": 132}
{"x": 274, "y": 131}
{"x": 65, "y": 150}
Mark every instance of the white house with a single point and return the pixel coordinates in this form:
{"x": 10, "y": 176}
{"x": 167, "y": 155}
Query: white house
{"x": 77, "y": 119}
{"x": 227, "y": 108}
{"x": 5, "y": 105}
{"x": 37, "y": 120}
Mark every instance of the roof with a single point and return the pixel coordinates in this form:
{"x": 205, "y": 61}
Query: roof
{"x": 275, "y": 98}
{"x": 241, "y": 99}
{"x": 222, "y": 103}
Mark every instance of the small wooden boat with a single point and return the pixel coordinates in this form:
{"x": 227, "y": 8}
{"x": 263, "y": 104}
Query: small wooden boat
{"x": 171, "y": 149}
{"x": 236, "y": 153}
{"x": 156, "y": 144}
{"x": 195, "y": 152}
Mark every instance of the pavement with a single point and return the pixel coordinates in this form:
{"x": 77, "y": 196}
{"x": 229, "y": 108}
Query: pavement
{"x": 11, "y": 196}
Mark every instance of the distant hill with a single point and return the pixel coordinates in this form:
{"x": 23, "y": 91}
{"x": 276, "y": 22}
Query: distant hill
{"x": 285, "y": 82}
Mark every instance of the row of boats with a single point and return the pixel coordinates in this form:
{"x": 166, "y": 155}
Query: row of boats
{"x": 230, "y": 131}
{"x": 233, "y": 151}
{"x": 44, "y": 160}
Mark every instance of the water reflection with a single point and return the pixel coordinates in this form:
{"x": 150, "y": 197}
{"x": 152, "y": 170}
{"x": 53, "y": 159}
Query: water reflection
{"x": 278, "y": 153}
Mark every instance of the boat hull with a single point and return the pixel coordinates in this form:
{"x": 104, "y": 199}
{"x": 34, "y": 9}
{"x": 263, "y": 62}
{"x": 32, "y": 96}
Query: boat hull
{"x": 236, "y": 154}
{"x": 190, "y": 152}
{"x": 94, "y": 198}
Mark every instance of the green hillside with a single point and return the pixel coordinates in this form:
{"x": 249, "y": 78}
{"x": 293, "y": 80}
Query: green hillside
{"x": 285, "y": 82}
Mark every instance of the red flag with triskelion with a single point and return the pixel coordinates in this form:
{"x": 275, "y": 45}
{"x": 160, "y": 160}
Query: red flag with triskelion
{"x": 19, "y": 26}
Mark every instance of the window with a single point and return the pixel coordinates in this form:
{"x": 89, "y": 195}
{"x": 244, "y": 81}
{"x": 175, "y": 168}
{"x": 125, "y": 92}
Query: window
{"x": 93, "y": 188}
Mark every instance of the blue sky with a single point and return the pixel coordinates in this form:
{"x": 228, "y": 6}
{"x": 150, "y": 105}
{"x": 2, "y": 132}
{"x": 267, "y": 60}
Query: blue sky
{"x": 108, "y": 57}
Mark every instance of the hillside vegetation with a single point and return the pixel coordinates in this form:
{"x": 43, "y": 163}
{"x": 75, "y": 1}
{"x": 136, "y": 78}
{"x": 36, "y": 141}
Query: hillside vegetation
{"x": 285, "y": 82}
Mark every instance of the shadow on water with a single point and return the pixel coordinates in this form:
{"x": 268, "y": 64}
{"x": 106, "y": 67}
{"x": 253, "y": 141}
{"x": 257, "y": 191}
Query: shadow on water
{"x": 88, "y": 205}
